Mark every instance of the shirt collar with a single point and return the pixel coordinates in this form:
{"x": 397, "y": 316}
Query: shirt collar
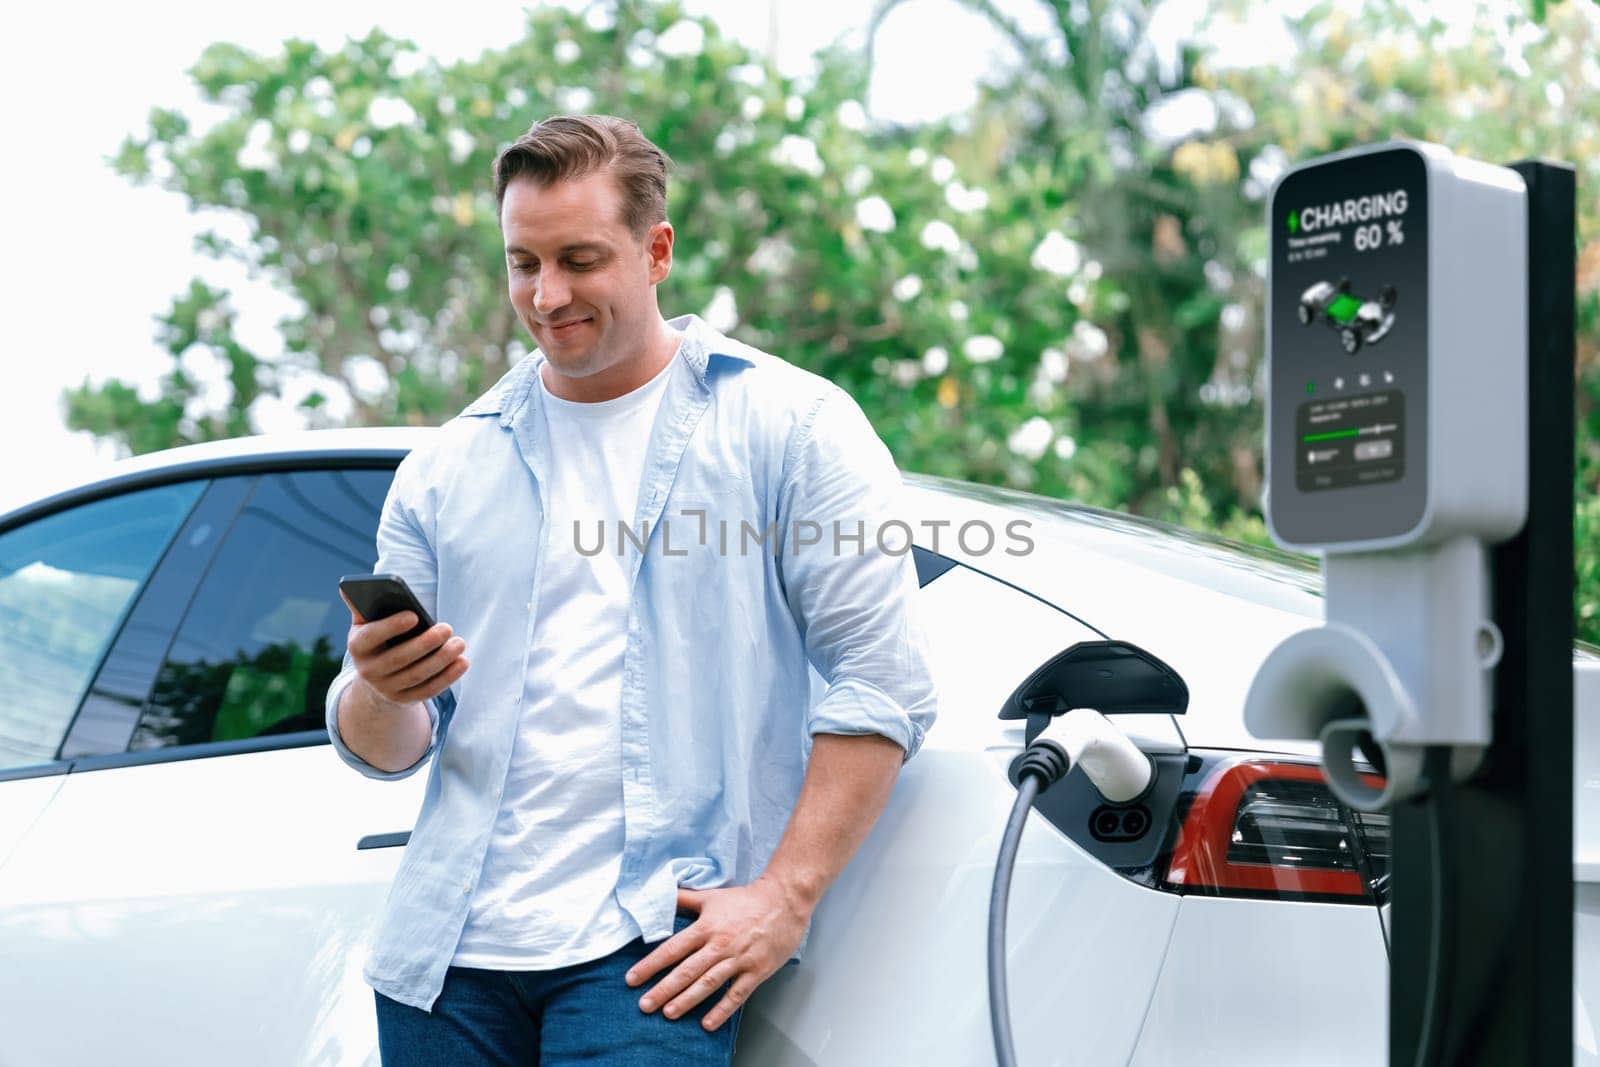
{"x": 701, "y": 346}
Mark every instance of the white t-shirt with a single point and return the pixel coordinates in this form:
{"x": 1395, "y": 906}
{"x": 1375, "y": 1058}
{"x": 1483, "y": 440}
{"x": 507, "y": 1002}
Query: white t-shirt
{"x": 547, "y": 895}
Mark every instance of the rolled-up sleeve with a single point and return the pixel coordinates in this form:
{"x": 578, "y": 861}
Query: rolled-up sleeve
{"x": 404, "y": 549}
{"x": 850, "y": 580}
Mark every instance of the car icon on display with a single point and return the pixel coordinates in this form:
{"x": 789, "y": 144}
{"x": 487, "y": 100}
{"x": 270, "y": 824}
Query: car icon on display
{"x": 1358, "y": 321}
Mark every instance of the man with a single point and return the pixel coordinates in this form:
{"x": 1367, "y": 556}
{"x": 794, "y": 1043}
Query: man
{"x": 636, "y": 737}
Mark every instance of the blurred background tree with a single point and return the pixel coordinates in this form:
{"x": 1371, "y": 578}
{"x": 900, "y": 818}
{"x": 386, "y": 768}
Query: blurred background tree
{"x": 1058, "y": 290}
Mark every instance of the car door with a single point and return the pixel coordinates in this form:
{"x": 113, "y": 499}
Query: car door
{"x": 199, "y": 893}
{"x": 67, "y": 581}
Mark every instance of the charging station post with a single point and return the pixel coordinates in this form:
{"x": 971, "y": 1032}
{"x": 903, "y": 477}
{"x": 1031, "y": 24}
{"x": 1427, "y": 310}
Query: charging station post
{"x": 1509, "y": 843}
{"x": 1419, "y": 436}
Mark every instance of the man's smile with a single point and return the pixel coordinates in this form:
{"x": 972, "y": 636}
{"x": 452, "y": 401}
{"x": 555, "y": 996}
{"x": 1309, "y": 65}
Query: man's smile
{"x": 561, "y": 331}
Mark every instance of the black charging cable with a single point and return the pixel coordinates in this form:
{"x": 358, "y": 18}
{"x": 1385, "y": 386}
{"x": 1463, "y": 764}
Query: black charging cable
{"x": 1043, "y": 764}
{"x": 1441, "y": 866}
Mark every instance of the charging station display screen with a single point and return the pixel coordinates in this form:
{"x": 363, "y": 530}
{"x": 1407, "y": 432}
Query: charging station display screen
{"x": 1348, "y": 344}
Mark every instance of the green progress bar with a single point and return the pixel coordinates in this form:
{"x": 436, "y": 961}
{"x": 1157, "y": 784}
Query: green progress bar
{"x": 1329, "y": 436}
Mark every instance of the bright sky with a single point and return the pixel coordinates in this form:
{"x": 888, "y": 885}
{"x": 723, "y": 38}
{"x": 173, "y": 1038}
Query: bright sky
{"x": 89, "y": 260}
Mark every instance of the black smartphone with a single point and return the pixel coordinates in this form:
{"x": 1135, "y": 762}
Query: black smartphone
{"x": 377, "y": 596}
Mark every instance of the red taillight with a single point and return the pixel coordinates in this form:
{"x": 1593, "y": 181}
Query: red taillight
{"x": 1264, "y": 828}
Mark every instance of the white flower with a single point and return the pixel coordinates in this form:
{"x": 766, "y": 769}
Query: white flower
{"x": 935, "y": 361}
{"x": 200, "y": 364}
{"x": 1220, "y": 278}
{"x": 368, "y": 378}
{"x": 1040, "y": 391}
{"x": 917, "y": 157}
{"x": 1053, "y": 364}
{"x": 1057, "y": 254}
{"x": 983, "y": 348}
{"x": 905, "y": 372}
{"x": 750, "y": 74}
{"x": 398, "y": 279}
{"x": 942, "y": 169}
{"x": 683, "y": 38}
{"x": 907, "y": 288}
{"x": 722, "y": 314}
{"x": 856, "y": 182}
{"x": 875, "y": 214}
{"x": 386, "y": 112}
{"x": 799, "y": 153}
{"x": 336, "y": 403}
{"x": 1233, "y": 316}
{"x": 941, "y": 235}
{"x": 772, "y": 256}
{"x": 794, "y": 107}
{"x": 575, "y": 99}
{"x": 1065, "y": 447}
{"x": 1031, "y": 438}
{"x": 852, "y": 116}
{"x": 299, "y": 141}
{"x": 461, "y": 144}
{"x": 567, "y": 51}
{"x": 270, "y": 414}
{"x": 958, "y": 310}
{"x": 965, "y": 200}
{"x": 751, "y": 108}
{"x": 1088, "y": 341}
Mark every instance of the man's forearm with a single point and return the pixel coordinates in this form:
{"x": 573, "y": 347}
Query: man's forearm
{"x": 847, "y": 785}
{"x": 389, "y": 736}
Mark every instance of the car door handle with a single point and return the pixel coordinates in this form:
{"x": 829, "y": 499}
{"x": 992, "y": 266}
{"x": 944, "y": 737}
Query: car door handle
{"x": 384, "y": 840}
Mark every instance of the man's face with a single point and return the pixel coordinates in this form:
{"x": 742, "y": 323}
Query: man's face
{"x": 580, "y": 281}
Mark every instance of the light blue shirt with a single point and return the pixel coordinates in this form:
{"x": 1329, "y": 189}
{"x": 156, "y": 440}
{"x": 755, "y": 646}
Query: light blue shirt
{"x": 773, "y": 599}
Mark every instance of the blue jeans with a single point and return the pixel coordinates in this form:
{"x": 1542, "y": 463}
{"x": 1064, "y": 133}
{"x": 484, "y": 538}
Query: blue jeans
{"x": 584, "y": 1013}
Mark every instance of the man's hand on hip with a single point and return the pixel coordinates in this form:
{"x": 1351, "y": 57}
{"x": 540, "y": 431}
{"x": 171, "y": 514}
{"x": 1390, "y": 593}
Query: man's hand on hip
{"x": 744, "y": 933}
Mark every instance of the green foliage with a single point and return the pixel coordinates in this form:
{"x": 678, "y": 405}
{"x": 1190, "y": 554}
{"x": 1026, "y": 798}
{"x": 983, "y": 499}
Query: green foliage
{"x": 1040, "y": 293}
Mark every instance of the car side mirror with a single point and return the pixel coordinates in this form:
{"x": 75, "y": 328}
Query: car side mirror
{"x": 1113, "y": 677}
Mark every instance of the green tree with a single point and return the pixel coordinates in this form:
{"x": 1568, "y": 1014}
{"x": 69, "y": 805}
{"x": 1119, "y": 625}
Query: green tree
{"x": 1052, "y": 291}
{"x": 1179, "y": 224}
{"x": 364, "y": 180}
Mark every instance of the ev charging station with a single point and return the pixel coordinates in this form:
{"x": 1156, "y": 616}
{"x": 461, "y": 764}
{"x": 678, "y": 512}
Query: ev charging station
{"x": 1419, "y": 436}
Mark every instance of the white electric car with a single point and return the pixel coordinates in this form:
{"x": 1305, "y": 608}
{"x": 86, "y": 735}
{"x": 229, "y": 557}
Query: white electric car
{"x": 189, "y": 874}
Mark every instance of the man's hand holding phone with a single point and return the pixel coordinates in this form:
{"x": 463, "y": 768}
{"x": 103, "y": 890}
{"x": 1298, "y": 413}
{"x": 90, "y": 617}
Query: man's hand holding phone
{"x": 413, "y": 671}
{"x": 397, "y": 650}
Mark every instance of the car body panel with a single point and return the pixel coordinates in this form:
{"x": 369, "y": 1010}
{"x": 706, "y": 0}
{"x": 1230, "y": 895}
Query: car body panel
{"x": 895, "y": 970}
{"x": 22, "y": 801}
{"x": 200, "y": 911}
{"x": 1246, "y": 984}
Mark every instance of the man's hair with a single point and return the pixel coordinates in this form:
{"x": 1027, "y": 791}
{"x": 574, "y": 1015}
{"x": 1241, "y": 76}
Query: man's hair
{"x": 574, "y": 146}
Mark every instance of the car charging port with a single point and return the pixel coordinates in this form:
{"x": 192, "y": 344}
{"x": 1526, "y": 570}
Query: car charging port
{"x": 1109, "y": 823}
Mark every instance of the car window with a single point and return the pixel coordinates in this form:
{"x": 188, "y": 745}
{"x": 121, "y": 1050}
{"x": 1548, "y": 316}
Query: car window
{"x": 265, "y": 633}
{"x": 66, "y": 582}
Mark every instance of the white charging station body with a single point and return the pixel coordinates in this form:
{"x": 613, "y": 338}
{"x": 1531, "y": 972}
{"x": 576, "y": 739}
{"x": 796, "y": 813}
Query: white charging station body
{"x": 1396, "y": 447}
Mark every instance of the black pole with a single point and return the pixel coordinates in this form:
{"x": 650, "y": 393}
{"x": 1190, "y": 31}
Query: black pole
{"x": 1507, "y": 898}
